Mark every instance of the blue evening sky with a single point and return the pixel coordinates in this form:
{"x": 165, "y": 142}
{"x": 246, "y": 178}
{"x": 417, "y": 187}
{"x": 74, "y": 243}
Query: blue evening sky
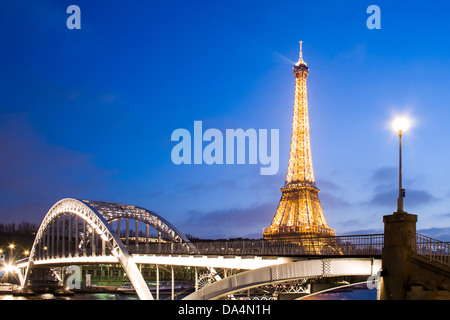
{"x": 89, "y": 113}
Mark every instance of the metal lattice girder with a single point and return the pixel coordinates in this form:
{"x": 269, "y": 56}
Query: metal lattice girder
{"x": 299, "y": 206}
{"x": 116, "y": 211}
{"x": 284, "y": 272}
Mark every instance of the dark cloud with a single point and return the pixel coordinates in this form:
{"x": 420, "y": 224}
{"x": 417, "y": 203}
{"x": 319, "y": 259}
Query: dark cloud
{"x": 385, "y": 180}
{"x": 442, "y": 215}
{"x": 362, "y": 232}
{"x": 385, "y": 176}
{"x": 385, "y": 198}
{"x": 327, "y": 185}
{"x": 413, "y": 198}
{"x": 200, "y": 187}
{"x": 331, "y": 202}
{"x": 34, "y": 174}
{"x": 441, "y": 234}
{"x": 230, "y": 222}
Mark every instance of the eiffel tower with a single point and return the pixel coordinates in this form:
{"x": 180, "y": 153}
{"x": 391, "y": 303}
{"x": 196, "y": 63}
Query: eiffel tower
{"x": 299, "y": 215}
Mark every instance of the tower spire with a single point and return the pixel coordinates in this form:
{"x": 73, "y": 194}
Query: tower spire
{"x": 300, "y": 60}
{"x": 301, "y": 50}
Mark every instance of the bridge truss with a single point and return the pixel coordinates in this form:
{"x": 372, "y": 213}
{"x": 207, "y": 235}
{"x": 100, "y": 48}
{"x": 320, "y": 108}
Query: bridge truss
{"x": 304, "y": 269}
{"x": 75, "y": 229}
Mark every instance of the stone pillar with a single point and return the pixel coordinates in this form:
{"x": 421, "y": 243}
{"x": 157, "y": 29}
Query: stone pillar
{"x": 399, "y": 238}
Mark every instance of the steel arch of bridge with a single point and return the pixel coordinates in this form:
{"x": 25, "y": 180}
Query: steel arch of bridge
{"x": 303, "y": 269}
{"x": 114, "y": 211}
{"x": 98, "y": 215}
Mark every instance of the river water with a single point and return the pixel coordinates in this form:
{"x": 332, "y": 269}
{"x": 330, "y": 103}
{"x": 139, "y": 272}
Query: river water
{"x": 77, "y": 296}
{"x": 356, "y": 294}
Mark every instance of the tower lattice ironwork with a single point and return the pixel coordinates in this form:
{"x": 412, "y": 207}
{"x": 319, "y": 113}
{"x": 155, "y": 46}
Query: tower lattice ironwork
{"x": 299, "y": 215}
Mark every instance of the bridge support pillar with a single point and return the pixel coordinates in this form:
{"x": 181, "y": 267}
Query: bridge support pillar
{"x": 398, "y": 243}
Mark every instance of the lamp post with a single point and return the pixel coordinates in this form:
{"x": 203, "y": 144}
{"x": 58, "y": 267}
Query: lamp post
{"x": 400, "y": 124}
{"x": 398, "y": 244}
{"x": 11, "y": 248}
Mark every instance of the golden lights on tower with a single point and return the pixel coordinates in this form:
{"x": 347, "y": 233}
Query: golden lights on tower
{"x": 299, "y": 214}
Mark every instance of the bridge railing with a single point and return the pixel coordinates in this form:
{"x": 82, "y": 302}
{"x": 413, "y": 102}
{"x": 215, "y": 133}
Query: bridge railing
{"x": 368, "y": 245}
{"x": 431, "y": 249}
{"x": 355, "y": 245}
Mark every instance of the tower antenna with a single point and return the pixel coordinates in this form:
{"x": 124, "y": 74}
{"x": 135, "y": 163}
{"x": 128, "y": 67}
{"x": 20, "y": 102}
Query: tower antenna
{"x": 301, "y": 50}
{"x": 300, "y": 60}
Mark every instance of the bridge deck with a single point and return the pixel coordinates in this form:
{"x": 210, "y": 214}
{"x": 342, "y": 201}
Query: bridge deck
{"x": 350, "y": 246}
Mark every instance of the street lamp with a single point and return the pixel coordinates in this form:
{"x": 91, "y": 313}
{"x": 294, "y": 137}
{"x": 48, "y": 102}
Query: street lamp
{"x": 11, "y": 247}
{"x": 400, "y": 124}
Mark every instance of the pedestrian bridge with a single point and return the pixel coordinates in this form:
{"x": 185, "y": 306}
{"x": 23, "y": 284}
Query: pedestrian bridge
{"x": 89, "y": 232}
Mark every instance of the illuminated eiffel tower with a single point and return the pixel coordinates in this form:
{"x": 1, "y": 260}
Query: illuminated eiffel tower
{"x": 299, "y": 215}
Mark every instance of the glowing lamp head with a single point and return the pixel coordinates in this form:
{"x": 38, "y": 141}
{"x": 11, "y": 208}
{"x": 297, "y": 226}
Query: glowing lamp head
{"x": 401, "y": 124}
{"x": 9, "y": 268}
